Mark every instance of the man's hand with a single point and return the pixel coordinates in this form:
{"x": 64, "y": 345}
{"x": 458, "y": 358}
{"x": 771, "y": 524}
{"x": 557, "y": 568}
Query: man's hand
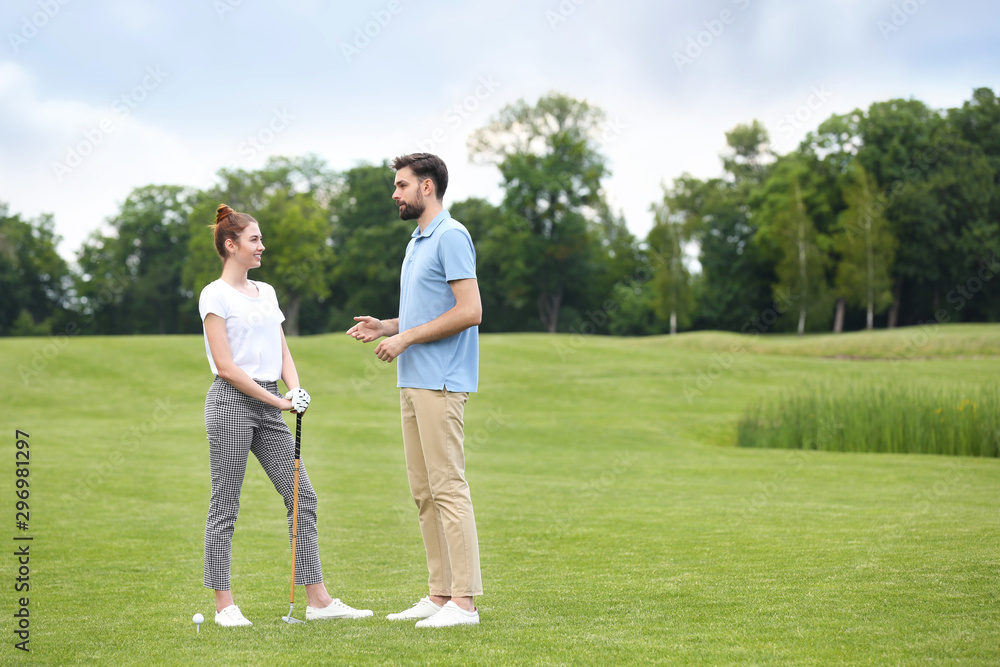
{"x": 391, "y": 348}
{"x": 367, "y": 329}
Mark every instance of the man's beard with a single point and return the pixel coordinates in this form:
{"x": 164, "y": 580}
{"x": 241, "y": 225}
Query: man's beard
{"x": 412, "y": 210}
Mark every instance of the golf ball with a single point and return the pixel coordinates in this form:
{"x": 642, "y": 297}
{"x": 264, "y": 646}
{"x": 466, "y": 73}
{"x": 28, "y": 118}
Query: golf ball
{"x": 198, "y": 618}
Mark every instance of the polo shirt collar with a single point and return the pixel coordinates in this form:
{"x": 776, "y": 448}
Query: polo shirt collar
{"x": 438, "y": 219}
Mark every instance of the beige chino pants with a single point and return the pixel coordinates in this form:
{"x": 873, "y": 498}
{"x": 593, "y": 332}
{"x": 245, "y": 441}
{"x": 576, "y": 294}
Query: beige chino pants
{"x": 433, "y": 441}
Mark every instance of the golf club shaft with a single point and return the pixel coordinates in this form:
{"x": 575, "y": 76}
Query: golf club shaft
{"x": 295, "y": 502}
{"x": 295, "y": 520}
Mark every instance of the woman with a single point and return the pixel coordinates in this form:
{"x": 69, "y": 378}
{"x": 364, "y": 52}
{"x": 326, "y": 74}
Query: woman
{"x": 247, "y": 352}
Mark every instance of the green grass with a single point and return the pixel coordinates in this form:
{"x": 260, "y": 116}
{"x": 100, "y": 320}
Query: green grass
{"x": 618, "y": 523}
{"x": 932, "y": 341}
{"x": 958, "y": 419}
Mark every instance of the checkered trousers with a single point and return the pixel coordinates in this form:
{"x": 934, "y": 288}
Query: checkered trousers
{"x": 237, "y": 425}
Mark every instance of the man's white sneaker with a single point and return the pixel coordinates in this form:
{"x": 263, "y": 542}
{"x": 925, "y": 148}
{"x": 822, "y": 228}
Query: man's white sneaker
{"x": 336, "y": 609}
{"x": 450, "y": 614}
{"x": 231, "y": 617}
{"x": 423, "y": 609}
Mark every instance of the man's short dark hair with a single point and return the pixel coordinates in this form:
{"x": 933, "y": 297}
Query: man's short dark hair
{"x": 425, "y": 165}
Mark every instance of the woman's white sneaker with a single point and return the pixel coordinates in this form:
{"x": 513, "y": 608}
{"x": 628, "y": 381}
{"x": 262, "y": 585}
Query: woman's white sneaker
{"x": 423, "y": 609}
{"x": 336, "y": 609}
{"x": 450, "y": 614}
{"x": 231, "y": 617}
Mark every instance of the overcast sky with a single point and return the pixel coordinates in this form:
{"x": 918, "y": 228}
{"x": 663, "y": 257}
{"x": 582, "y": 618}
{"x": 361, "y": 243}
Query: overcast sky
{"x": 100, "y": 97}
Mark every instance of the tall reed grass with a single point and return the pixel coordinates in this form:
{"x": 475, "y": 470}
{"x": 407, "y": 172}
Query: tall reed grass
{"x": 959, "y": 420}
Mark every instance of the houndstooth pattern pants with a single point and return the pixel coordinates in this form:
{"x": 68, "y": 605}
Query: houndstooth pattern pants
{"x": 237, "y": 425}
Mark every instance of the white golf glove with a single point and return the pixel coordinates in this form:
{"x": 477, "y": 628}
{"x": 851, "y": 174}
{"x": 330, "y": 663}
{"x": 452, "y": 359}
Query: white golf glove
{"x": 300, "y": 399}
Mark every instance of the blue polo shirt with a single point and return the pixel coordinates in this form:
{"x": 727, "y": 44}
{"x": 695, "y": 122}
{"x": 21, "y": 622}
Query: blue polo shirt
{"x": 441, "y": 253}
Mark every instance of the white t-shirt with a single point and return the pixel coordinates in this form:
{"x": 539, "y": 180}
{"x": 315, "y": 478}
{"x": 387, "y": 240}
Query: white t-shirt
{"x": 253, "y": 327}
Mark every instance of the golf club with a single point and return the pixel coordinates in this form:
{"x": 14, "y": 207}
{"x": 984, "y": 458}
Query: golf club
{"x": 295, "y": 513}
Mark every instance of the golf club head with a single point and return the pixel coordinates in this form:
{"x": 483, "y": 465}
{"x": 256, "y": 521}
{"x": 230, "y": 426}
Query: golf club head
{"x": 290, "y": 619}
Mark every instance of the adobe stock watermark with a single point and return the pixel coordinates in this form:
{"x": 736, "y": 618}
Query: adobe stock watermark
{"x": 923, "y": 502}
{"x": 374, "y": 368}
{"x": 888, "y": 536}
{"x": 562, "y": 12}
{"x": 795, "y": 460}
{"x": 254, "y": 143}
{"x": 476, "y": 437}
{"x": 31, "y": 25}
{"x": 698, "y": 43}
{"x": 593, "y": 490}
{"x": 611, "y": 130}
{"x": 364, "y": 34}
{"x": 223, "y": 7}
{"x": 122, "y": 106}
{"x": 595, "y": 320}
{"x": 817, "y": 98}
{"x": 958, "y": 297}
{"x": 988, "y": 268}
{"x": 455, "y": 116}
{"x": 113, "y": 462}
{"x": 899, "y": 16}
{"x": 913, "y": 169}
{"x": 44, "y": 354}
{"x": 725, "y": 362}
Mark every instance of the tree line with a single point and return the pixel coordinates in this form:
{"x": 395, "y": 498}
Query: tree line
{"x": 881, "y": 217}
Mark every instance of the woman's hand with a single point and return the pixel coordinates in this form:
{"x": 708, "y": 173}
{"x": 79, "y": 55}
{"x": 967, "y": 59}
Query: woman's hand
{"x": 300, "y": 399}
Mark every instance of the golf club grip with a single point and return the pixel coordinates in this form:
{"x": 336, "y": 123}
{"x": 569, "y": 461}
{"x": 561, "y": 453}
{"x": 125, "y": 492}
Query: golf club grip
{"x": 298, "y": 435}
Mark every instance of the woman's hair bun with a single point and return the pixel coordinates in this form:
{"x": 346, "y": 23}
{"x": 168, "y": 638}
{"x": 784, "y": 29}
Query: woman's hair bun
{"x": 222, "y": 212}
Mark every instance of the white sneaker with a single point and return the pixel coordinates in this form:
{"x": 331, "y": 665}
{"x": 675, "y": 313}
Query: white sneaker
{"x": 450, "y": 614}
{"x": 336, "y": 609}
{"x": 423, "y": 609}
{"x": 231, "y": 617}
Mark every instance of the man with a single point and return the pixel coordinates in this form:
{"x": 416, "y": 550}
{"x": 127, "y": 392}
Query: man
{"x": 436, "y": 339}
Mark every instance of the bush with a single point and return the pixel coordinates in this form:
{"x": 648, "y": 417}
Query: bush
{"x": 25, "y": 325}
{"x": 957, "y": 420}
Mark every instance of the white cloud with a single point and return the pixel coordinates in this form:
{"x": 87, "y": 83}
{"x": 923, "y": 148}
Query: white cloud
{"x": 228, "y": 79}
{"x": 77, "y": 160}
{"x": 133, "y": 15}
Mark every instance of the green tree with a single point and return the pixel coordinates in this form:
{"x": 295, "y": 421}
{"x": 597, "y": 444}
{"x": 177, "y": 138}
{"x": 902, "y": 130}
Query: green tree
{"x": 130, "y": 277}
{"x": 903, "y": 141}
{"x": 552, "y": 170}
{"x": 299, "y": 228}
{"x": 25, "y": 325}
{"x": 866, "y": 247}
{"x": 635, "y": 309}
{"x": 671, "y": 280}
{"x": 368, "y": 241}
{"x": 618, "y": 267}
{"x": 971, "y": 188}
{"x": 34, "y": 279}
{"x": 503, "y": 273}
{"x": 978, "y": 122}
{"x": 749, "y": 154}
{"x": 734, "y": 285}
{"x": 905, "y": 146}
{"x": 787, "y": 229}
{"x": 288, "y": 198}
